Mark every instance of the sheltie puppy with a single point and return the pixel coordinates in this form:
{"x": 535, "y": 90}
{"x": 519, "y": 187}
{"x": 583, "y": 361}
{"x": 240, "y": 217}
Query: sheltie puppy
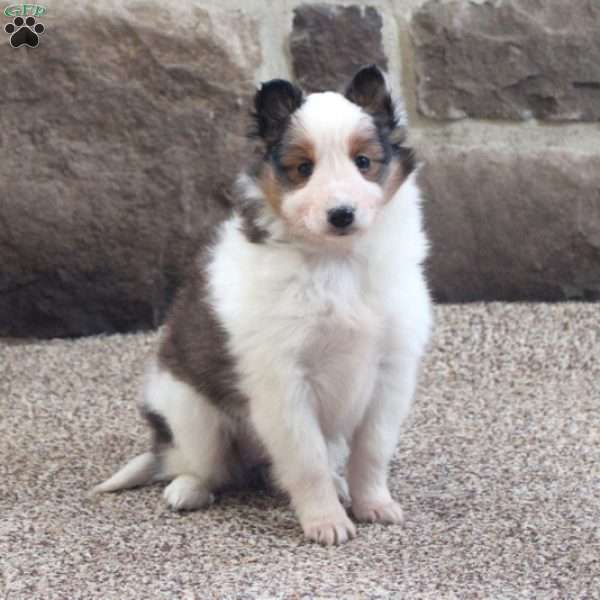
{"x": 296, "y": 341}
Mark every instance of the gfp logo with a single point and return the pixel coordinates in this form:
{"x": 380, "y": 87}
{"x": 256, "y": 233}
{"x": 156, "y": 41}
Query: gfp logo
{"x": 24, "y": 30}
{"x": 24, "y": 10}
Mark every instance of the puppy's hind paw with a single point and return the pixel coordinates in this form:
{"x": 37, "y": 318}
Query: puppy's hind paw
{"x": 187, "y": 493}
{"x": 330, "y": 531}
{"x": 383, "y": 512}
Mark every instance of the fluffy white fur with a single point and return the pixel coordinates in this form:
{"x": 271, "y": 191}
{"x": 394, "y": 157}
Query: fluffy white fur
{"x": 327, "y": 335}
{"x": 329, "y": 347}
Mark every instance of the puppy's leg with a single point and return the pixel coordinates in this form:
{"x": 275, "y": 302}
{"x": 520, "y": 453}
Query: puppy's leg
{"x": 195, "y": 459}
{"x": 337, "y": 450}
{"x": 283, "y": 413}
{"x": 375, "y": 441}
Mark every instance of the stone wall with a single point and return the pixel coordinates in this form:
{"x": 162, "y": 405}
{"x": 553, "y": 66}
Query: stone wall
{"x": 120, "y": 132}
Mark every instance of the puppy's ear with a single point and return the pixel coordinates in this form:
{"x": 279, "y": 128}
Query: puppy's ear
{"x": 274, "y": 103}
{"x": 369, "y": 90}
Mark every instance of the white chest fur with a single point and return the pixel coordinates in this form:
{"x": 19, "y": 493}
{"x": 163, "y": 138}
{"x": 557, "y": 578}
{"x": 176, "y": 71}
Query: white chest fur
{"x": 342, "y": 348}
{"x": 316, "y": 319}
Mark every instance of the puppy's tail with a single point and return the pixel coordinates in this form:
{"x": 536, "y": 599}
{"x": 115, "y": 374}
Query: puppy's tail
{"x": 138, "y": 471}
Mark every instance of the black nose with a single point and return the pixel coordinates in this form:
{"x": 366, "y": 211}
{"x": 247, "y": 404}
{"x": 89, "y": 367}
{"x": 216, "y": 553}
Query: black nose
{"x": 341, "y": 217}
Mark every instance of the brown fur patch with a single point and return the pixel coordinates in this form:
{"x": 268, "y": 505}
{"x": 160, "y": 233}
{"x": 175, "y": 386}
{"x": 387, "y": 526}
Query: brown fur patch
{"x": 249, "y": 212}
{"x": 194, "y": 344}
{"x": 271, "y": 188}
{"x": 366, "y": 143}
{"x": 395, "y": 177}
{"x": 296, "y": 150}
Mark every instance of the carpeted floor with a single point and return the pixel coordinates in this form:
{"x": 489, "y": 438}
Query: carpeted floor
{"x": 498, "y": 472}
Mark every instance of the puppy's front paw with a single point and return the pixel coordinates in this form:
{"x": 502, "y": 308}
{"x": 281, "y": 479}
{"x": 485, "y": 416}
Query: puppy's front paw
{"x": 187, "y": 493}
{"x": 389, "y": 512}
{"x": 330, "y": 530}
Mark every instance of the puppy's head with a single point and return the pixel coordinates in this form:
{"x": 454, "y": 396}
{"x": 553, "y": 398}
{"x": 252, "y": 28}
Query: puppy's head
{"x": 330, "y": 161}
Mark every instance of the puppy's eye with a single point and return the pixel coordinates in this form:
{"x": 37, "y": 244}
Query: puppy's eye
{"x": 362, "y": 162}
{"x": 305, "y": 169}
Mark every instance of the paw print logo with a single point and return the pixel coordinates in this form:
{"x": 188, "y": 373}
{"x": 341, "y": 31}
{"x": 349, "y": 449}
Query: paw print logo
{"x": 24, "y": 32}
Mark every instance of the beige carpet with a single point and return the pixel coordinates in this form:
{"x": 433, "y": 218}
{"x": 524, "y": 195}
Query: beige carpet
{"x": 498, "y": 471}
